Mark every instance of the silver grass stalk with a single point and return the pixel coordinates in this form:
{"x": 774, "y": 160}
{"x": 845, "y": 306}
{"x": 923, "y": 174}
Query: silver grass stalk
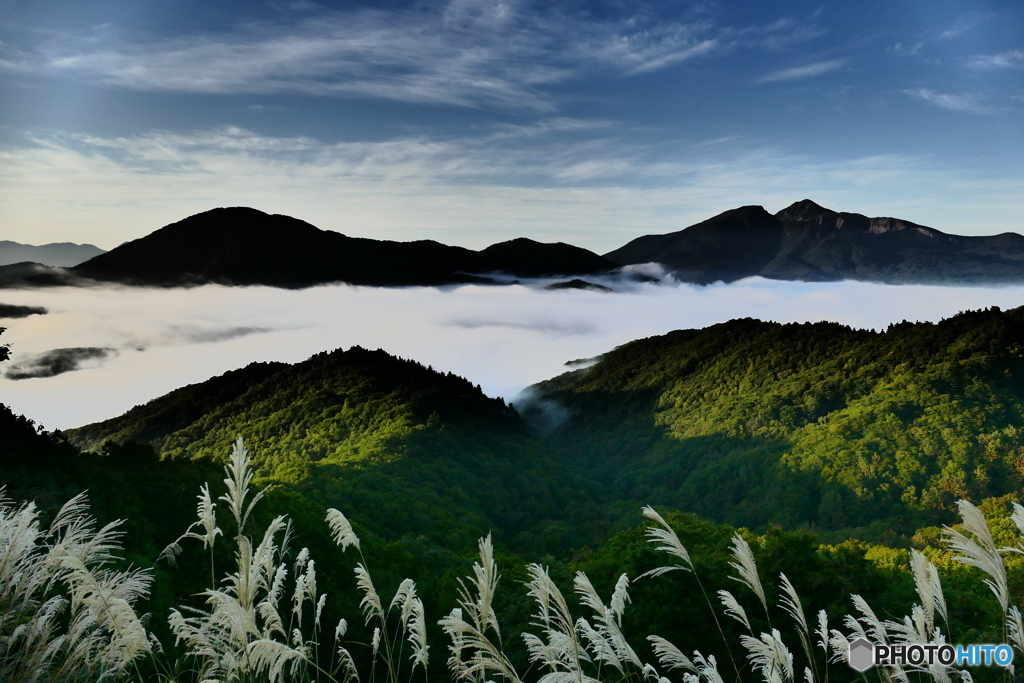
{"x": 670, "y": 543}
{"x": 929, "y": 589}
{"x": 600, "y": 648}
{"x": 734, "y": 609}
{"x": 791, "y": 605}
{"x": 340, "y": 630}
{"x": 839, "y": 643}
{"x": 64, "y": 614}
{"x": 269, "y": 657}
{"x": 417, "y": 634}
{"x": 238, "y": 480}
{"x": 311, "y": 592}
{"x": 470, "y": 637}
{"x": 1015, "y": 628}
{"x": 341, "y": 530}
{"x": 319, "y": 609}
{"x": 912, "y": 629}
{"x": 620, "y": 598}
{"x": 770, "y": 656}
{"x": 1017, "y": 516}
{"x": 370, "y": 603}
{"x": 484, "y": 657}
{"x": 402, "y": 601}
{"x": 485, "y": 583}
{"x": 298, "y": 597}
{"x": 106, "y": 596}
{"x": 707, "y": 668}
{"x": 822, "y": 631}
{"x": 240, "y": 635}
{"x": 876, "y": 631}
{"x": 206, "y": 509}
{"x": 746, "y": 567}
{"x": 669, "y": 655}
{"x": 607, "y": 618}
{"x": 979, "y": 551}
{"x": 562, "y": 650}
{"x": 348, "y": 666}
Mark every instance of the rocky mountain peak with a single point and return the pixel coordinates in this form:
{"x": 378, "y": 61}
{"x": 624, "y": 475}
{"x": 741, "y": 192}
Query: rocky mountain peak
{"x": 806, "y": 210}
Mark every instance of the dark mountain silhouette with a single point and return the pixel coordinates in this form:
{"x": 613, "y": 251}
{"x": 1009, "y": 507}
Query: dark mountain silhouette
{"x": 527, "y": 258}
{"x": 245, "y": 247}
{"x": 62, "y": 254}
{"x": 577, "y": 283}
{"x": 808, "y": 242}
{"x": 28, "y": 274}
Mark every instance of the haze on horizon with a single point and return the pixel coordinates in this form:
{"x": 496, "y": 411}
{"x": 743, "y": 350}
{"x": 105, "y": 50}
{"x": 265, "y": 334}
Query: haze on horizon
{"x": 476, "y": 121}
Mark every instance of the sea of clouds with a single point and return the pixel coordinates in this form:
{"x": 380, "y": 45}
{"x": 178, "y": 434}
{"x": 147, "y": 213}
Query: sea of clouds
{"x": 99, "y": 351}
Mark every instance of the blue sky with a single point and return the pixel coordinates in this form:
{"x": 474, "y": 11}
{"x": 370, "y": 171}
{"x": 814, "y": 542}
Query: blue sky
{"x": 474, "y": 121}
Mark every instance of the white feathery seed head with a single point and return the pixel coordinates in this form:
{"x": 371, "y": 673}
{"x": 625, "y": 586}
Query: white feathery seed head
{"x": 669, "y": 655}
{"x": 769, "y": 655}
{"x": 979, "y": 550}
{"x": 370, "y": 603}
{"x": 669, "y": 542}
{"x": 734, "y": 609}
{"x": 746, "y": 568}
{"x": 341, "y": 529}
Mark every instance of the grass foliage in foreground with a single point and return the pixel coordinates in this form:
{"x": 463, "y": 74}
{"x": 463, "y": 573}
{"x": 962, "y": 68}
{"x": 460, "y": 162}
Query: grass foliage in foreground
{"x": 67, "y": 614}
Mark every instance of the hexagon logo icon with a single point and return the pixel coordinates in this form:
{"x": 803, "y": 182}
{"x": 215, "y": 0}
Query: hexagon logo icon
{"x": 862, "y": 655}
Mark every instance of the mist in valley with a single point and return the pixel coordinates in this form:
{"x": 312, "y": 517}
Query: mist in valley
{"x": 99, "y": 351}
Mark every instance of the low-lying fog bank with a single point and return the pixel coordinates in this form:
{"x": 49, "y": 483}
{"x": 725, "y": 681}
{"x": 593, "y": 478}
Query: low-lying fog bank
{"x": 97, "y": 352}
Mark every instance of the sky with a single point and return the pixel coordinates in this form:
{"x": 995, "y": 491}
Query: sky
{"x": 99, "y": 351}
{"x": 476, "y": 121}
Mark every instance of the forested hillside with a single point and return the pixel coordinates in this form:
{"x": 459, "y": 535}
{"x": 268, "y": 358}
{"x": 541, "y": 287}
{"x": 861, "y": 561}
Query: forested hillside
{"x": 810, "y": 434}
{"x": 409, "y": 449}
{"x": 814, "y": 425}
{"x": 819, "y": 426}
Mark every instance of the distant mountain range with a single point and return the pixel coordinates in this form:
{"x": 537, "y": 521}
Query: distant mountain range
{"x": 809, "y": 242}
{"x": 243, "y": 246}
{"x": 61, "y": 254}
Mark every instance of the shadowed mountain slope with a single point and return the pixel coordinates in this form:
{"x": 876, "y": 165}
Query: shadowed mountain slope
{"x": 409, "y": 449}
{"x": 802, "y": 424}
{"x": 808, "y": 242}
{"x": 244, "y": 246}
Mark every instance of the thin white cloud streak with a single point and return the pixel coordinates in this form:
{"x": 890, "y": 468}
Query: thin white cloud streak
{"x": 806, "y": 71}
{"x": 503, "y": 338}
{"x": 590, "y": 188}
{"x": 1011, "y": 59}
{"x": 473, "y": 54}
{"x": 965, "y": 102}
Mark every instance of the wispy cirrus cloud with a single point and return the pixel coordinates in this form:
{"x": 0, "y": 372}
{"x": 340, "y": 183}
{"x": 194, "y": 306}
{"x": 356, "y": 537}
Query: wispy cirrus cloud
{"x": 469, "y": 53}
{"x": 805, "y": 71}
{"x": 1011, "y": 59}
{"x": 966, "y": 102}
